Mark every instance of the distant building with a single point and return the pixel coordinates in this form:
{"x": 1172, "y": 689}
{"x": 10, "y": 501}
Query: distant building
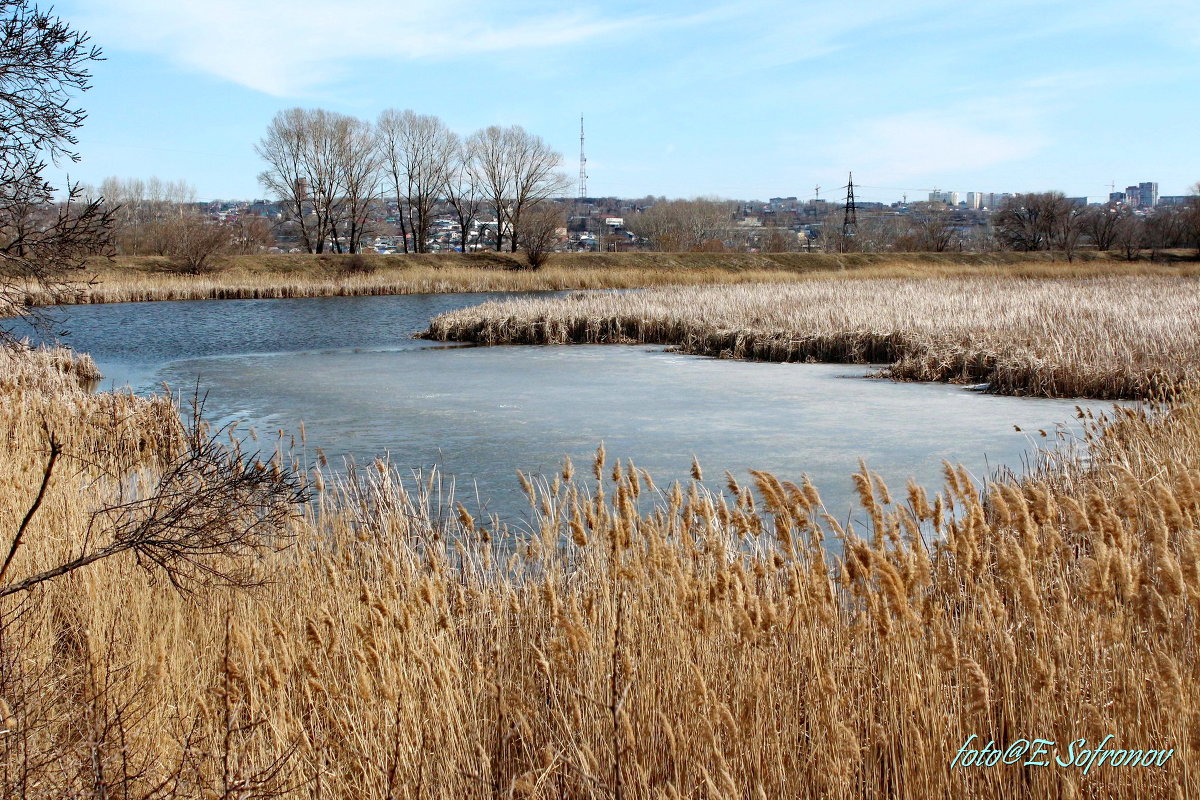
{"x": 1144, "y": 195}
{"x": 974, "y": 200}
{"x": 1079, "y": 202}
{"x": 993, "y": 200}
{"x": 949, "y": 198}
{"x": 1147, "y": 195}
{"x": 1116, "y": 197}
{"x": 1176, "y": 199}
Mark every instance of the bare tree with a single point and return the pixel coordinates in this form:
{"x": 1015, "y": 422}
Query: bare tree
{"x": 43, "y": 61}
{"x": 358, "y": 163}
{"x": 683, "y": 225}
{"x": 462, "y": 192}
{"x": 539, "y": 230}
{"x": 1166, "y": 228}
{"x": 1130, "y": 235}
{"x": 287, "y": 150}
{"x": 194, "y": 242}
{"x": 515, "y": 170}
{"x": 931, "y": 229}
{"x": 1193, "y": 218}
{"x": 535, "y": 175}
{"x": 127, "y": 198}
{"x": 419, "y": 153}
{"x": 1100, "y": 225}
{"x": 323, "y": 168}
{"x": 326, "y": 131}
{"x": 878, "y": 233}
{"x": 491, "y": 169}
{"x": 249, "y": 234}
{"x": 1028, "y": 222}
{"x": 144, "y": 211}
{"x": 833, "y": 238}
{"x": 778, "y": 239}
{"x": 1067, "y": 227}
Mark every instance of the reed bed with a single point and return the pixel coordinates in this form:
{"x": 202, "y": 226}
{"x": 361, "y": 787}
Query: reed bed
{"x": 1108, "y": 338}
{"x": 47, "y": 370}
{"x": 145, "y": 287}
{"x": 286, "y": 276}
{"x": 709, "y": 648}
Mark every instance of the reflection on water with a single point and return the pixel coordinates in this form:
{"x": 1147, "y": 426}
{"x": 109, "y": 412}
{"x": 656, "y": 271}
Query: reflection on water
{"x": 348, "y": 368}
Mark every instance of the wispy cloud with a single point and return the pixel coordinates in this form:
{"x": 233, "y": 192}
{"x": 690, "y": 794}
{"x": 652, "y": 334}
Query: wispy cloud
{"x": 925, "y": 145}
{"x": 290, "y": 49}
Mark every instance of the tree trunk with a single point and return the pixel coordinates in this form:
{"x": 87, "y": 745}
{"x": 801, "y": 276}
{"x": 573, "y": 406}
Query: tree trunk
{"x": 403, "y": 225}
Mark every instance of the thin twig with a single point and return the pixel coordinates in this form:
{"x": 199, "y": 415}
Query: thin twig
{"x": 55, "y": 450}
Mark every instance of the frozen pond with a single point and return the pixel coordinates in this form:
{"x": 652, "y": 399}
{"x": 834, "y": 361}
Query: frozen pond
{"x": 349, "y": 369}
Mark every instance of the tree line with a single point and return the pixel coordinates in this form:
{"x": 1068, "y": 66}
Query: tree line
{"x": 1049, "y": 221}
{"x": 1046, "y": 221}
{"x": 153, "y": 217}
{"x": 331, "y": 172}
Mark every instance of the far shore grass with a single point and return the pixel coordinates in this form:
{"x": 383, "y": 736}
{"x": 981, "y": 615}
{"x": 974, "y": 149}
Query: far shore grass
{"x": 132, "y": 279}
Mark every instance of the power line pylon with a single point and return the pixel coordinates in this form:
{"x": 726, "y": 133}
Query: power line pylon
{"x": 850, "y": 218}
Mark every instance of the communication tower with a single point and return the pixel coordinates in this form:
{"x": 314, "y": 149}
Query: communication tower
{"x": 582, "y": 163}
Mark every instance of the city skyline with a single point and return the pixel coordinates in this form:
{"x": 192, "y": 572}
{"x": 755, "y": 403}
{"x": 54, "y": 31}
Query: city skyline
{"x": 749, "y": 101}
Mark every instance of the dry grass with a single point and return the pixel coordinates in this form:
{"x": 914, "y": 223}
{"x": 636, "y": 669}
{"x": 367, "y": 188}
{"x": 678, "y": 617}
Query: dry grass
{"x": 274, "y": 276}
{"x": 704, "y": 650}
{"x": 1109, "y": 337}
{"x": 45, "y": 370}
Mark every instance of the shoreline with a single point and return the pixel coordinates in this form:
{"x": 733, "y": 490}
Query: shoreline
{"x": 150, "y": 279}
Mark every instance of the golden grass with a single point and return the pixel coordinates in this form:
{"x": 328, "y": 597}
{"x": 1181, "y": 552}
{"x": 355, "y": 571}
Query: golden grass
{"x": 129, "y": 279}
{"x": 1107, "y": 337}
{"x": 707, "y": 649}
{"x": 47, "y": 370}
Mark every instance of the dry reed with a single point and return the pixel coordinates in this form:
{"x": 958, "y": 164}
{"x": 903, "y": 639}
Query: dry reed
{"x": 1109, "y": 338}
{"x": 284, "y": 276}
{"x": 707, "y": 649}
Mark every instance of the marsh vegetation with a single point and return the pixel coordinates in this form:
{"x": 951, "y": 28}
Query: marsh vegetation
{"x": 375, "y": 647}
{"x": 144, "y": 278}
{"x": 1112, "y": 337}
{"x": 346, "y": 635}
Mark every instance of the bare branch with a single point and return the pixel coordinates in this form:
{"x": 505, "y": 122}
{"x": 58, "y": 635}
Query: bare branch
{"x": 55, "y": 451}
{"x": 42, "y": 63}
{"x": 208, "y": 504}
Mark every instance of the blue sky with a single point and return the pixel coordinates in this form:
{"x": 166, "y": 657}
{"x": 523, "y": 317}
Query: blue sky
{"x": 752, "y": 99}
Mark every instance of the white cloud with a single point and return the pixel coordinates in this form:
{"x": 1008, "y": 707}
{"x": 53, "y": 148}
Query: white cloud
{"x": 926, "y": 144}
{"x": 287, "y": 49}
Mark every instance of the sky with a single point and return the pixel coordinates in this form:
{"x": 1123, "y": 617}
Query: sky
{"x": 747, "y": 100}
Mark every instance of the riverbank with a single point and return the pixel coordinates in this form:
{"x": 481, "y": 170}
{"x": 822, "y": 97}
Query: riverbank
{"x": 1104, "y": 337}
{"x": 377, "y": 647}
{"x": 134, "y": 279}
